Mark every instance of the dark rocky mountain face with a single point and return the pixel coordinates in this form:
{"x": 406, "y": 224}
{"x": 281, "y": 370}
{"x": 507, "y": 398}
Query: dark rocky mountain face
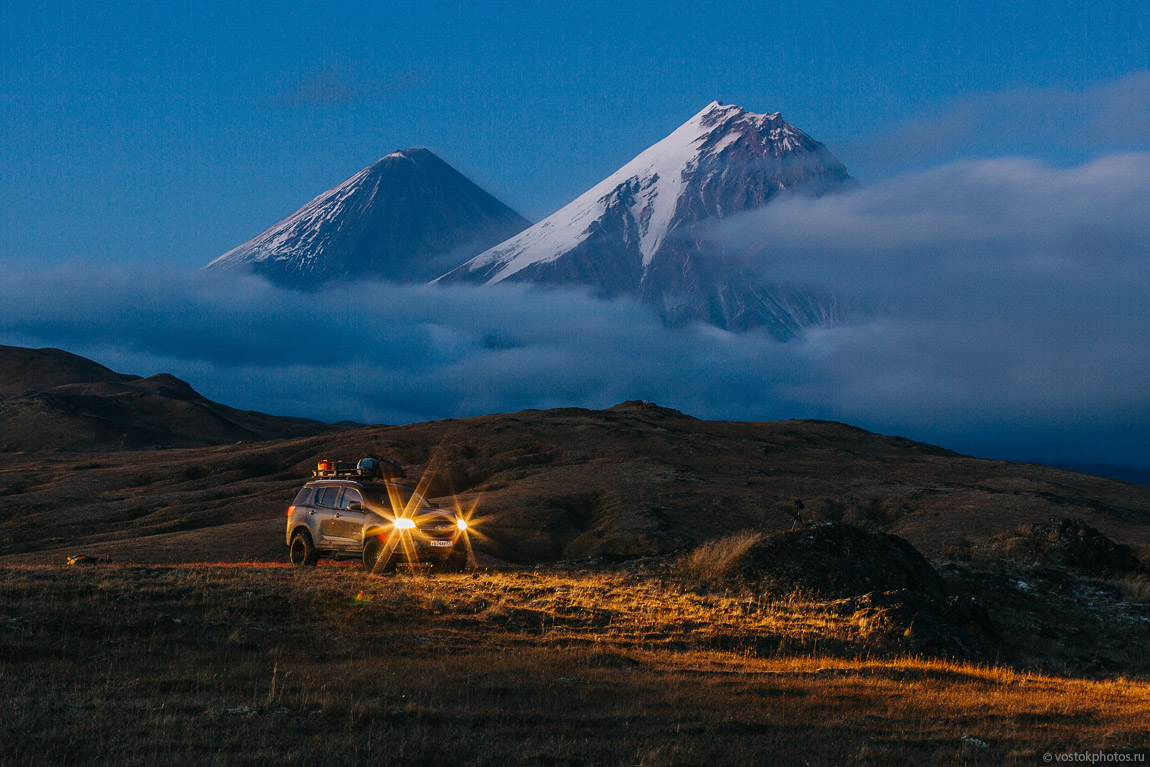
{"x": 53, "y": 400}
{"x": 635, "y": 232}
{"x": 407, "y": 218}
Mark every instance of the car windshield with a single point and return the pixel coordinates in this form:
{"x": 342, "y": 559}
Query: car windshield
{"x": 380, "y": 497}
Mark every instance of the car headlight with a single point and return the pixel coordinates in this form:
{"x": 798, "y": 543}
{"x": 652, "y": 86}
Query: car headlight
{"x": 461, "y": 523}
{"x": 404, "y": 523}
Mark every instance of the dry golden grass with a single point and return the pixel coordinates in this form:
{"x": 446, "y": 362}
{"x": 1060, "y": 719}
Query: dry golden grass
{"x": 717, "y": 561}
{"x": 1136, "y": 587}
{"x": 255, "y": 665}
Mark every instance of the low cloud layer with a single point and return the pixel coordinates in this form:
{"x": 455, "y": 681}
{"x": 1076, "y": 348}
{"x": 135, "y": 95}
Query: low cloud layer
{"x": 1008, "y": 315}
{"x": 1106, "y": 115}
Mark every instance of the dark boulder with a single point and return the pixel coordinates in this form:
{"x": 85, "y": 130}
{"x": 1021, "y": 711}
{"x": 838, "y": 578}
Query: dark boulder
{"x": 839, "y": 561}
{"x": 907, "y": 621}
{"x": 881, "y": 580}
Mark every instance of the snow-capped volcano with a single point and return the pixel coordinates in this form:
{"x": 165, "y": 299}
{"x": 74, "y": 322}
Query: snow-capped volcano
{"x": 406, "y": 218}
{"x": 631, "y": 232}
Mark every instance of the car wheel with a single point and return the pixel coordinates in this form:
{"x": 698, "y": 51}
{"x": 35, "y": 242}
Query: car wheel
{"x": 373, "y": 552}
{"x": 456, "y": 561}
{"x": 302, "y": 551}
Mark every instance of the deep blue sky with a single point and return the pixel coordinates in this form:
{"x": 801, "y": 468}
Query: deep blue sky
{"x": 1001, "y": 228}
{"x": 152, "y": 132}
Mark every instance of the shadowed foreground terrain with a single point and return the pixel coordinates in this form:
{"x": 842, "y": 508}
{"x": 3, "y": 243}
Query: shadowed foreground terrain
{"x": 219, "y": 665}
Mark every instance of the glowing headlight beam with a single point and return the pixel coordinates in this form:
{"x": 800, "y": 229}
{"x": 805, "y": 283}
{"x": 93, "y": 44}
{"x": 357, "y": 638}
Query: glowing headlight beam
{"x": 404, "y": 523}
{"x": 422, "y": 486}
{"x": 389, "y": 545}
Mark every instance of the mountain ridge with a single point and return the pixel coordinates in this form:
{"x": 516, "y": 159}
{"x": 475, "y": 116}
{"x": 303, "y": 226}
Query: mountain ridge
{"x": 631, "y": 232}
{"x": 549, "y": 485}
{"x": 54, "y": 400}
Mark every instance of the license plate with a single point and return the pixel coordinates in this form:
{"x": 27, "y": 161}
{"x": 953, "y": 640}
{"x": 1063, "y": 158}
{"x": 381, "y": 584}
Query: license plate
{"x": 443, "y": 544}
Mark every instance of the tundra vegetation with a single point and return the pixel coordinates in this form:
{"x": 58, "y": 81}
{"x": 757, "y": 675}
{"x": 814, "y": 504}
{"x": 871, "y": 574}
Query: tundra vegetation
{"x": 655, "y": 590}
{"x": 259, "y": 663}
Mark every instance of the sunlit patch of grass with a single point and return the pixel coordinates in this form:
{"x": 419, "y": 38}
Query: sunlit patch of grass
{"x": 717, "y": 561}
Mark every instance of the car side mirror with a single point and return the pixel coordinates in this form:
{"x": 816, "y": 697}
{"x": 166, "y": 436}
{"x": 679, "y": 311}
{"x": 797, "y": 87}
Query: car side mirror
{"x": 355, "y": 506}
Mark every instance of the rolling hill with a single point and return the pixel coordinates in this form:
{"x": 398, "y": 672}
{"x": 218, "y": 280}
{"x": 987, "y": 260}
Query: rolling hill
{"x": 555, "y": 485}
{"x": 54, "y": 400}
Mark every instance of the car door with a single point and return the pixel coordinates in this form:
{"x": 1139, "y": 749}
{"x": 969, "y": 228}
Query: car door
{"x": 326, "y": 501}
{"x": 348, "y": 521}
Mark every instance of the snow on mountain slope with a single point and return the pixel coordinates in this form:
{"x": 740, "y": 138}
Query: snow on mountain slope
{"x": 631, "y": 232}
{"x": 408, "y": 217}
{"x": 658, "y": 173}
{"x": 655, "y": 182}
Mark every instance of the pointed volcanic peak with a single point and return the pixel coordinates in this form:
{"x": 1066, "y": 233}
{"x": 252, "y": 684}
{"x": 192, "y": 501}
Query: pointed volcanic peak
{"x": 629, "y": 234}
{"x": 407, "y": 218}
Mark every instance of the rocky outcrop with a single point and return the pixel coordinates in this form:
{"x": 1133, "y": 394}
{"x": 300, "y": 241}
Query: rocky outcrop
{"x": 838, "y": 561}
{"x": 1066, "y": 543}
{"x": 882, "y": 579}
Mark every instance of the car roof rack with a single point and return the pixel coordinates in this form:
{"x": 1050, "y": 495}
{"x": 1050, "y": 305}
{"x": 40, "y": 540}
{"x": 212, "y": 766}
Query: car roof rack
{"x": 367, "y": 469}
{"x": 353, "y": 474}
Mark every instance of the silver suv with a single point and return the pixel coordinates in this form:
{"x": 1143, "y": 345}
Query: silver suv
{"x": 380, "y": 522}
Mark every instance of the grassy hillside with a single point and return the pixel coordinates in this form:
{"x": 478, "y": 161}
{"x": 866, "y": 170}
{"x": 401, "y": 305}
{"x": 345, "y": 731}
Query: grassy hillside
{"x": 555, "y": 485}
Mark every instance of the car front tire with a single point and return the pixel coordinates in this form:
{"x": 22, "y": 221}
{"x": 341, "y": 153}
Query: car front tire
{"x": 373, "y": 551}
{"x": 302, "y": 551}
{"x": 456, "y": 561}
